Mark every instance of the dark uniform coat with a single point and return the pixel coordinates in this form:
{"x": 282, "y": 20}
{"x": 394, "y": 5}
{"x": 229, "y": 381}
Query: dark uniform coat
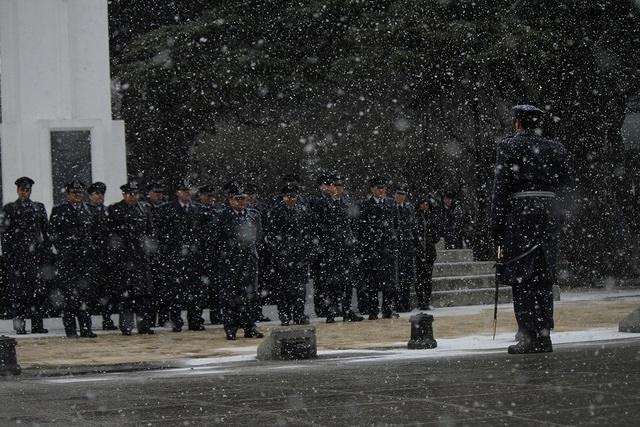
{"x": 428, "y": 227}
{"x": 527, "y": 162}
{"x": 104, "y": 296}
{"x": 406, "y": 238}
{"x": 237, "y": 237}
{"x": 376, "y": 243}
{"x": 26, "y": 251}
{"x": 333, "y": 252}
{"x": 526, "y": 220}
{"x": 180, "y": 238}
{"x": 287, "y": 235}
{"x": 131, "y": 243}
{"x": 71, "y": 235}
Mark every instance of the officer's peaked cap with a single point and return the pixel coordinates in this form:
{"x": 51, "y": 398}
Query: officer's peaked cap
{"x": 290, "y": 187}
{"x": 24, "y": 182}
{"x": 75, "y": 185}
{"x": 206, "y": 189}
{"x": 525, "y": 110}
{"x": 234, "y": 189}
{"x": 378, "y": 180}
{"x": 324, "y": 179}
{"x": 156, "y": 187}
{"x": 97, "y": 187}
{"x": 130, "y": 187}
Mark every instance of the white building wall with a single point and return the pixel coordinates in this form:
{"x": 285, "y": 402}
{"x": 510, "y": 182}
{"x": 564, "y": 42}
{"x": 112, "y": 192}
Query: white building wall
{"x": 55, "y": 76}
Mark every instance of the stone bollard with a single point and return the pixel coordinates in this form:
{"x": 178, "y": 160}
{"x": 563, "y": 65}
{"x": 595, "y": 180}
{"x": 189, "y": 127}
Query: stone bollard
{"x": 8, "y": 361}
{"x": 631, "y": 323}
{"x": 422, "y": 332}
{"x": 288, "y": 343}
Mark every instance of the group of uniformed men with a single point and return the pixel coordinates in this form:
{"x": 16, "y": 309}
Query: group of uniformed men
{"x": 148, "y": 260}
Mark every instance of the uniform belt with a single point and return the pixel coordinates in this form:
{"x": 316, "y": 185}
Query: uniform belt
{"x": 541, "y": 194}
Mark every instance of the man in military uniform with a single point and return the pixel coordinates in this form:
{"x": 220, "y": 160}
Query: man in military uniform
{"x": 325, "y": 237}
{"x": 131, "y": 243}
{"x": 100, "y": 270}
{"x": 343, "y": 253}
{"x": 27, "y": 251}
{"x": 161, "y": 298}
{"x": 376, "y": 240}
{"x": 209, "y": 221}
{"x": 406, "y": 239}
{"x": 70, "y": 231}
{"x": 526, "y": 220}
{"x": 180, "y": 238}
{"x": 266, "y": 277}
{"x": 286, "y": 230}
{"x": 238, "y": 232}
{"x": 428, "y": 230}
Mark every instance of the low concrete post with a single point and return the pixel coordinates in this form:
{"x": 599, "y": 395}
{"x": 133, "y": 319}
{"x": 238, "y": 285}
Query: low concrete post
{"x": 288, "y": 343}
{"x": 631, "y": 323}
{"x": 422, "y": 332}
{"x": 8, "y": 361}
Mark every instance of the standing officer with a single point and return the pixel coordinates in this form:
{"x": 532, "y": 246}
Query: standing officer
{"x": 428, "y": 235}
{"x": 343, "y": 253}
{"x": 266, "y": 278}
{"x": 100, "y": 269}
{"x": 180, "y": 237}
{"x": 238, "y": 231}
{"x": 406, "y": 239}
{"x": 209, "y": 221}
{"x": 327, "y": 234}
{"x": 161, "y": 298}
{"x": 286, "y": 230}
{"x": 376, "y": 241}
{"x": 27, "y": 251}
{"x": 70, "y": 230}
{"x": 131, "y": 243}
{"x": 526, "y": 221}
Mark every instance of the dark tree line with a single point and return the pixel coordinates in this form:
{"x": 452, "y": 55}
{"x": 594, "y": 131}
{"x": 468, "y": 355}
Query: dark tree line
{"x": 417, "y": 90}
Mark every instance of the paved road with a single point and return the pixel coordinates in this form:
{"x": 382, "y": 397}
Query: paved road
{"x": 590, "y": 384}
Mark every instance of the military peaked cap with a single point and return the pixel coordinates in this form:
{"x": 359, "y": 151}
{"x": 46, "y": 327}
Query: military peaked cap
{"x": 234, "y": 189}
{"x": 156, "y": 187}
{"x": 130, "y": 187}
{"x": 97, "y": 187}
{"x": 206, "y": 189}
{"x": 378, "y": 180}
{"x": 75, "y": 185}
{"x": 24, "y": 182}
{"x": 324, "y": 179}
{"x": 290, "y": 187}
{"x": 525, "y": 110}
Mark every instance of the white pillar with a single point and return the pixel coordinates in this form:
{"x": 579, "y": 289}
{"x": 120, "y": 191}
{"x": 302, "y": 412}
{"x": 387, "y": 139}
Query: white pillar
{"x": 55, "y": 77}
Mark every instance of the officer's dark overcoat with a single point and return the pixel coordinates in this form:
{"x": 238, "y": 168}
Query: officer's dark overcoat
{"x": 526, "y": 225}
{"x": 26, "y": 250}
{"x": 406, "y": 238}
{"x": 376, "y": 243}
{"x": 98, "y": 258}
{"x": 333, "y": 239}
{"x": 287, "y": 234}
{"x": 71, "y": 235}
{"x": 237, "y": 235}
{"x": 131, "y": 243}
{"x": 180, "y": 237}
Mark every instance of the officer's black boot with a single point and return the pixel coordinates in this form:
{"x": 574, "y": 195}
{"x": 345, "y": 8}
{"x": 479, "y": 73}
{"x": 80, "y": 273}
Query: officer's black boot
{"x": 230, "y": 332}
{"x": 126, "y": 322}
{"x": 19, "y": 325}
{"x": 107, "y": 323}
{"x": 69, "y": 323}
{"x": 350, "y": 316}
{"x": 37, "y": 325}
{"x": 84, "y": 319}
{"x": 530, "y": 343}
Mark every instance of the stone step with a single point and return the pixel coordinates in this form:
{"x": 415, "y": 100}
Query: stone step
{"x": 454, "y": 255}
{"x": 458, "y": 297}
{"x": 448, "y": 283}
{"x": 465, "y": 268}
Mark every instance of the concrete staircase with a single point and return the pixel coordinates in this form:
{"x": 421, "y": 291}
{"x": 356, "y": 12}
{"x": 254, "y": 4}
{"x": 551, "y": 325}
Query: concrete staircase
{"x": 458, "y": 280}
